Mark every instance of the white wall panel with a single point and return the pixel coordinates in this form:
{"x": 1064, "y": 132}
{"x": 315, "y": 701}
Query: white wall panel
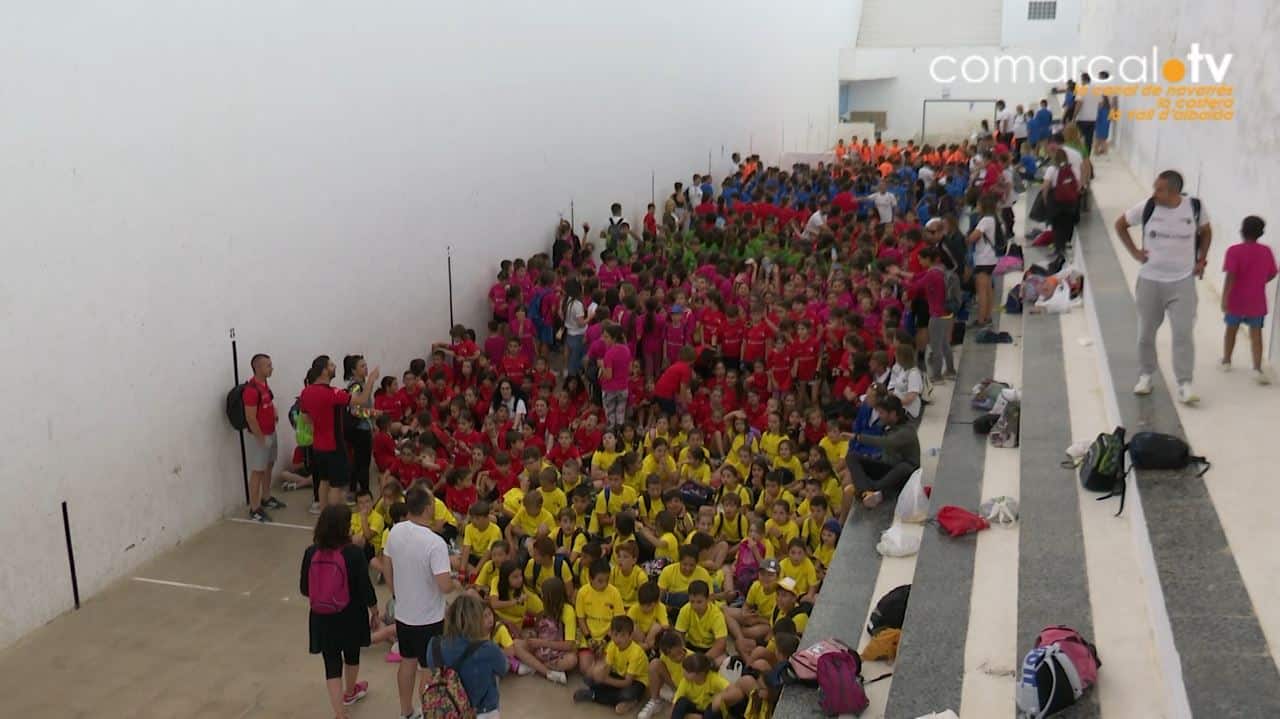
{"x": 295, "y": 170}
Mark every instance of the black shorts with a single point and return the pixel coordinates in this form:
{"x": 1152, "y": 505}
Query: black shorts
{"x": 668, "y": 406}
{"x": 987, "y": 270}
{"x": 332, "y": 467}
{"x": 920, "y": 313}
{"x": 414, "y": 639}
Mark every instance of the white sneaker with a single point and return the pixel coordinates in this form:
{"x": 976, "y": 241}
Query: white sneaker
{"x": 1144, "y": 384}
{"x": 1261, "y": 377}
{"x": 315, "y": 508}
{"x": 523, "y": 670}
{"x": 650, "y": 710}
{"x": 1187, "y": 395}
{"x": 1224, "y": 366}
{"x": 556, "y": 677}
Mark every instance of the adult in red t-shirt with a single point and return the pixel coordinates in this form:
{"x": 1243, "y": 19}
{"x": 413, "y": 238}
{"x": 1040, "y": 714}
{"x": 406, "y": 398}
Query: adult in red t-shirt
{"x": 674, "y": 382}
{"x": 324, "y": 405}
{"x": 615, "y": 370}
{"x": 261, "y": 446}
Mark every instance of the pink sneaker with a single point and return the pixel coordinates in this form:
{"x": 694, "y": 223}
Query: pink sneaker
{"x": 355, "y": 695}
{"x": 393, "y": 657}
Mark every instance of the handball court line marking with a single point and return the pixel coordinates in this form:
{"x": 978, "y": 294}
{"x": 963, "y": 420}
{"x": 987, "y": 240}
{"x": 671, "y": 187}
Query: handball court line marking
{"x": 182, "y": 585}
{"x": 270, "y": 524}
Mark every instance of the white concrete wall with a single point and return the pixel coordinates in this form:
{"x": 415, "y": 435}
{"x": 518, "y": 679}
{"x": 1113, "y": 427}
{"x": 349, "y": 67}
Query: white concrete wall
{"x": 1061, "y": 33}
{"x": 900, "y": 80}
{"x": 893, "y": 23}
{"x": 1233, "y": 165}
{"x": 295, "y": 170}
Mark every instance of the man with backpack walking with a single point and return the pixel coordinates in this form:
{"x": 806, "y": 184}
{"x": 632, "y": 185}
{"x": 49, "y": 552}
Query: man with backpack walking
{"x": 261, "y": 446}
{"x": 1175, "y": 248}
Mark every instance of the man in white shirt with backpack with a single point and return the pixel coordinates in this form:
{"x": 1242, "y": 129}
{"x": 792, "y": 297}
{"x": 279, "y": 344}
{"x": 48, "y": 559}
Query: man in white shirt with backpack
{"x": 419, "y": 574}
{"x": 1175, "y": 248}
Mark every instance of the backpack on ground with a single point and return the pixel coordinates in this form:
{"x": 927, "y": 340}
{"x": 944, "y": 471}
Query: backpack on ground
{"x": 1056, "y": 673}
{"x": 985, "y": 423}
{"x": 986, "y": 393}
{"x": 840, "y": 684}
{"x": 235, "y": 407}
{"x": 956, "y": 521}
{"x": 695, "y": 495}
{"x": 1103, "y": 467}
{"x": 745, "y": 567}
{"x": 803, "y": 665}
{"x": 1006, "y": 429}
{"x": 327, "y": 585}
{"x": 443, "y": 695}
{"x": 890, "y": 611}
{"x": 1066, "y": 188}
{"x": 1153, "y": 450}
{"x": 1013, "y": 301}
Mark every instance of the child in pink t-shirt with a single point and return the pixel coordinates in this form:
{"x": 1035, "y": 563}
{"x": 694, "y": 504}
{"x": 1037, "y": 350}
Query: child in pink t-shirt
{"x": 1249, "y": 265}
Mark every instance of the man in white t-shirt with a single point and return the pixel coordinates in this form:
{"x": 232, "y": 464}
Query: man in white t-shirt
{"x": 1175, "y": 248}
{"x": 885, "y": 203}
{"x": 1087, "y": 104}
{"x": 927, "y": 176}
{"x": 1004, "y": 123}
{"x": 418, "y": 572}
{"x": 817, "y": 221}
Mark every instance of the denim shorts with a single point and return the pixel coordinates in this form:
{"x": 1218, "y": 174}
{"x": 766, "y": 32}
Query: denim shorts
{"x": 1237, "y": 320}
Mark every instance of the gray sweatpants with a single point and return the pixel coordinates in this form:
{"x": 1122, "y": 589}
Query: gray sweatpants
{"x": 1178, "y": 301}
{"x": 940, "y": 346}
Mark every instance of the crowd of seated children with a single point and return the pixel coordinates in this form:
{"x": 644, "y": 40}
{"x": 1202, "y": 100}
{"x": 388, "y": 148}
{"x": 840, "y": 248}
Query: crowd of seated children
{"x": 701, "y": 521}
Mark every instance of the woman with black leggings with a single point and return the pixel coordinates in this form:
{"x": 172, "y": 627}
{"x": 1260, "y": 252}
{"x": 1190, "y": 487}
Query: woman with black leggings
{"x": 335, "y": 578}
{"x": 358, "y": 429}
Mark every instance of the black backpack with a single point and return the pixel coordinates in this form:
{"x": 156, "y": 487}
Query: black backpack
{"x": 235, "y": 407}
{"x": 1103, "y": 467}
{"x": 890, "y": 611}
{"x": 1153, "y": 450}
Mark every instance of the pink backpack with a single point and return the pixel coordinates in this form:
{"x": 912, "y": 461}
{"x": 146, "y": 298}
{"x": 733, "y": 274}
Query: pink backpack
{"x": 745, "y": 567}
{"x": 840, "y": 683}
{"x": 327, "y": 586}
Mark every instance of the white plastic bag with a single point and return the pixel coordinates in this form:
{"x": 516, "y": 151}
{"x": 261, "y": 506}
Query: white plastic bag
{"x": 947, "y": 714}
{"x": 894, "y": 542}
{"x": 1000, "y": 511}
{"x": 1007, "y": 395}
{"x": 913, "y": 504}
{"x": 1059, "y": 302}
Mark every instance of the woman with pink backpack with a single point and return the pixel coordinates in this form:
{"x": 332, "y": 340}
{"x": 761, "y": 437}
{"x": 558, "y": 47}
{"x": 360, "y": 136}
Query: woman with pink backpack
{"x": 335, "y": 578}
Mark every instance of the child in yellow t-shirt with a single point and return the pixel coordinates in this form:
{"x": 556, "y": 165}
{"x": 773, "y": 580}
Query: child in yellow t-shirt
{"x": 781, "y": 528}
{"x": 702, "y": 623}
{"x": 509, "y": 599}
{"x": 649, "y": 614}
{"x": 568, "y": 537}
{"x": 824, "y": 553}
{"x": 615, "y": 497}
{"x": 667, "y": 670}
{"x": 625, "y": 576}
{"x": 597, "y": 604}
{"x": 499, "y": 553}
{"x": 478, "y": 537}
{"x": 699, "y": 690}
{"x": 531, "y": 521}
{"x": 694, "y": 468}
{"x": 366, "y": 525}
{"x": 398, "y": 513}
{"x": 787, "y": 460}
{"x": 797, "y": 566}
{"x": 618, "y": 681}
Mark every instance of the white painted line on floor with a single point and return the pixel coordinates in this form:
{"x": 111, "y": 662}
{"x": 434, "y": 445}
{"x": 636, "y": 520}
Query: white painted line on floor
{"x": 182, "y": 585}
{"x": 270, "y": 524}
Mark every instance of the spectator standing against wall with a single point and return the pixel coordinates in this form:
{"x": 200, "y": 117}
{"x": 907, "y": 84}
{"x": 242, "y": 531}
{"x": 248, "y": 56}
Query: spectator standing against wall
{"x": 261, "y": 447}
{"x": 1088, "y": 103}
{"x": 359, "y": 427}
{"x": 1175, "y": 247}
{"x": 326, "y": 406}
{"x": 1249, "y": 266}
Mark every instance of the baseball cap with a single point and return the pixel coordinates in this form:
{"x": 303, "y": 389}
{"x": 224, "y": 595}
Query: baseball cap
{"x": 787, "y": 583}
{"x": 770, "y": 565}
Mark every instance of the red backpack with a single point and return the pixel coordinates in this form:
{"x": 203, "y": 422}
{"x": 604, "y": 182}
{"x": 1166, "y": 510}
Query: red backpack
{"x": 840, "y": 683}
{"x": 1066, "y": 189}
{"x": 958, "y": 522}
{"x": 327, "y": 582}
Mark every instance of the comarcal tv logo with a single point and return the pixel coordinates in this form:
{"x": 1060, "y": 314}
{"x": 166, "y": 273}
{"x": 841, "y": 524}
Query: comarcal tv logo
{"x": 1196, "y": 66}
{"x": 1190, "y": 88}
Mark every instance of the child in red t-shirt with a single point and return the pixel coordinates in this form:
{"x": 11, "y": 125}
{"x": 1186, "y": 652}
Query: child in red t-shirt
{"x": 780, "y": 366}
{"x": 805, "y": 356}
{"x": 563, "y": 450}
{"x": 460, "y": 491}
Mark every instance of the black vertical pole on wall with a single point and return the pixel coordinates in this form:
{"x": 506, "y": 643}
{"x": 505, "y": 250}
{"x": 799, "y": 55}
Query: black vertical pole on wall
{"x": 653, "y": 186}
{"x": 244, "y": 459}
{"x": 71, "y": 556}
{"x": 449, "y": 270}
